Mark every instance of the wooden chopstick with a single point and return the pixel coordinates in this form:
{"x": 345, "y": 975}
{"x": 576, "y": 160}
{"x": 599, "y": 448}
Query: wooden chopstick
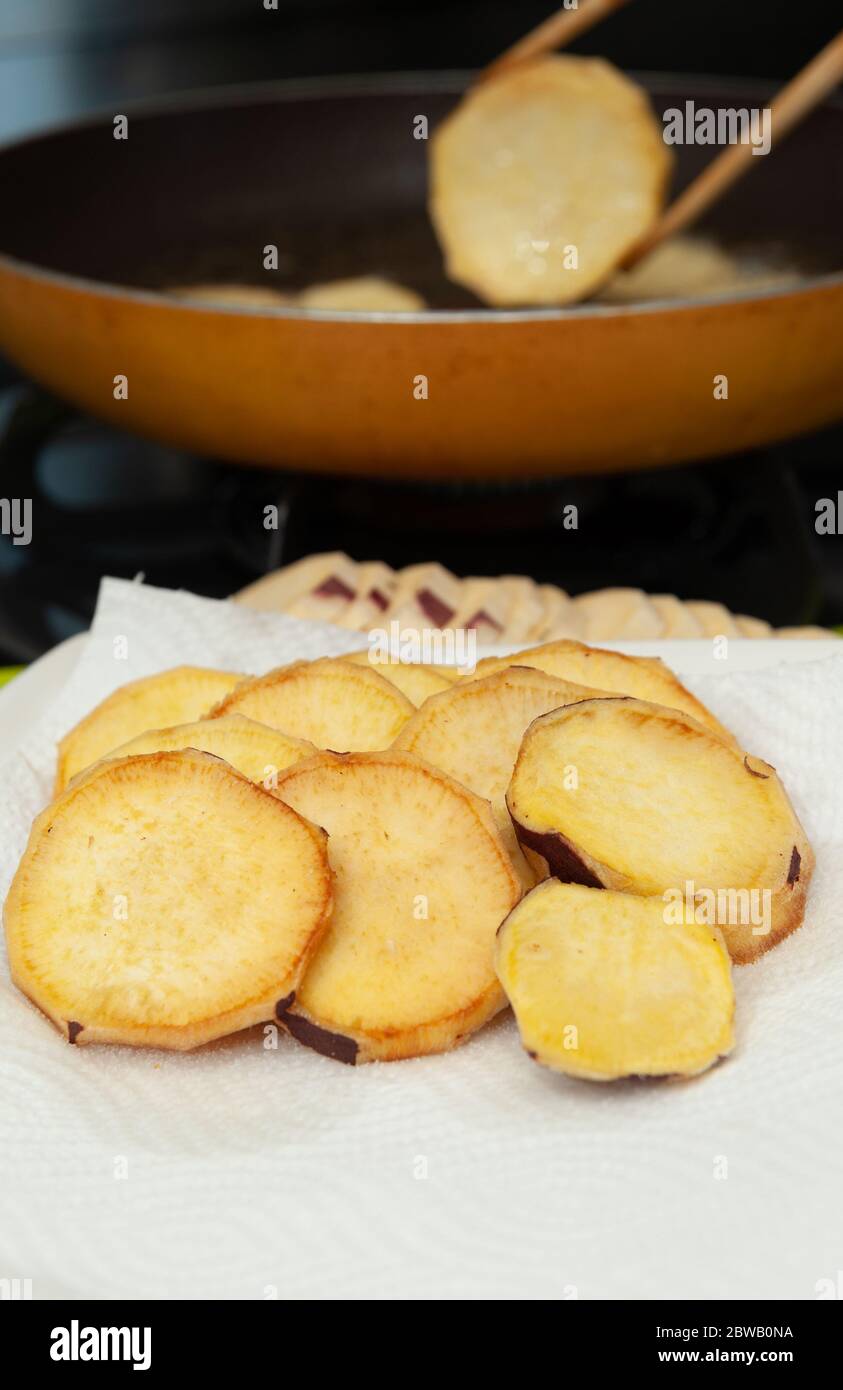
{"x": 557, "y": 31}
{"x": 791, "y": 105}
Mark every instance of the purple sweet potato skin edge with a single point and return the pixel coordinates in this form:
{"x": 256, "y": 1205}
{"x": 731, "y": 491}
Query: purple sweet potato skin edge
{"x": 563, "y": 861}
{"x": 334, "y": 1045}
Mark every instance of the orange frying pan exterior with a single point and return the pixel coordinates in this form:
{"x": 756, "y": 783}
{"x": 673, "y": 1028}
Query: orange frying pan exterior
{"x": 540, "y": 396}
{"x": 539, "y": 393}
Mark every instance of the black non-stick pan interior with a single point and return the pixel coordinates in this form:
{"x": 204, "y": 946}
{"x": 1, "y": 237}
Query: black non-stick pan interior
{"x": 332, "y": 175}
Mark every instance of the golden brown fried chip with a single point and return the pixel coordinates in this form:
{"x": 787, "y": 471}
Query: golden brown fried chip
{"x": 474, "y": 730}
{"x": 177, "y": 696}
{"x": 363, "y": 293}
{"x": 257, "y": 751}
{"x": 603, "y": 987}
{"x": 645, "y": 677}
{"x": 165, "y": 900}
{"x": 422, "y": 884}
{"x": 416, "y": 679}
{"x": 335, "y": 704}
{"x": 622, "y": 794}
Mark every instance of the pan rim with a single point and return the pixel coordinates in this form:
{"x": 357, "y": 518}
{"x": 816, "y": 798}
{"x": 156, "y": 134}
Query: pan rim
{"x": 367, "y": 84}
{"x": 161, "y": 299}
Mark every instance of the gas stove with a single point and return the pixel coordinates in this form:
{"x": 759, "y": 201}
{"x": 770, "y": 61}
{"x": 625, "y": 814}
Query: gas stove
{"x": 740, "y": 530}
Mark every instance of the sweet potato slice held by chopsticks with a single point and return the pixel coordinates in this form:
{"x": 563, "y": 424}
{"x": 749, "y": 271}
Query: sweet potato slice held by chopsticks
{"x": 544, "y": 178}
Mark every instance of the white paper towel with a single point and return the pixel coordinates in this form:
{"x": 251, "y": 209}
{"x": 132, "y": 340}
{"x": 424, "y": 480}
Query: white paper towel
{"x": 244, "y": 1172}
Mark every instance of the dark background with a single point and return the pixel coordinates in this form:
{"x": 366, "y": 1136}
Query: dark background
{"x": 58, "y": 57}
{"x": 738, "y": 530}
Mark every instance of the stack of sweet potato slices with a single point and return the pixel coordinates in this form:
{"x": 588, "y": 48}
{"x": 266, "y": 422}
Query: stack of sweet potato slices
{"x": 377, "y": 858}
{"x": 509, "y": 609}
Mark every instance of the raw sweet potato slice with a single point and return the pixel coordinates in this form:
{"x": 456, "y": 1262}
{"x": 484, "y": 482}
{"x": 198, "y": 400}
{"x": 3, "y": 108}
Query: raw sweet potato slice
{"x": 526, "y": 607}
{"x": 172, "y": 697}
{"x": 414, "y": 678}
{"x": 645, "y": 677}
{"x": 165, "y": 900}
{"x": 335, "y": 704}
{"x": 609, "y": 614}
{"x": 257, "y": 751}
{"x": 483, "y": 609}
{"x": 473, "y": 731}
{"x": 375, "y": 585}
{"x": 622, "y": 794}
{"x": 714, "y": 618}
{"x": 560, "y": 617}
{"x": 422, "y": 883}
{"x": 676, "y": 620}
{"x": 425, "y": 597}
{"x": 603, "y": 987}
{"x": 752, "y": 627}
{"x": 544, "y": 178}
{"x": 330, "y": 591}
{"x": 321, "y": 587}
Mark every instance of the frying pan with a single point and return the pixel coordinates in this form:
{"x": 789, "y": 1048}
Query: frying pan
{"x": 94, "y": 227}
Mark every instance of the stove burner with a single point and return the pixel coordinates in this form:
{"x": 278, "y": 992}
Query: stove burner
{"x": 739, "y": 531}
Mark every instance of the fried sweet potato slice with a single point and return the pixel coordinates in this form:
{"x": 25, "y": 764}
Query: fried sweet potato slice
{"x": 422, "y": 883}
{"x": 165, "y": 900}
{"x": 257, "y": 751}
{"x": 177, "y": 696}
{"x": 232, "y": 296}
{"x": 603, "y": 987}
{"x": 622, "y": 794}
{"x": 416, "y": 679}
{"x": 335, "y": 704}
{"x": 362, "y": 293}
{"x": 645, "y": 677}
{"x": 556, "y": 157}
{"x": 473, "y": 731}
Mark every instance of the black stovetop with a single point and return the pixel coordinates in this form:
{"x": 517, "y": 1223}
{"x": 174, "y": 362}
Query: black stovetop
{"x": 740, "y": 531}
